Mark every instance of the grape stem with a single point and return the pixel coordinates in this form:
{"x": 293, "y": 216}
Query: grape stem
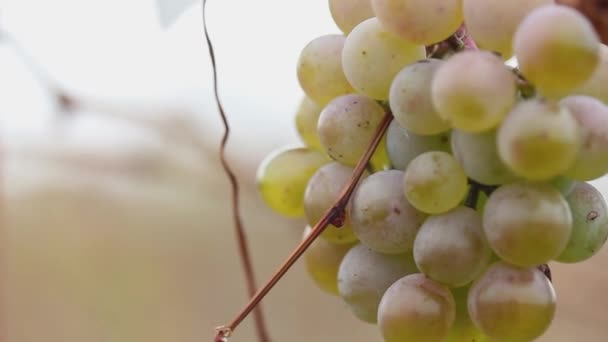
{"x": 335, "y": 212}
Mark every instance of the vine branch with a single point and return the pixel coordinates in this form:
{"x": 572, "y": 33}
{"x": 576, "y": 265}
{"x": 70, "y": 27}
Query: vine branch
{"x": 335, "y": 212}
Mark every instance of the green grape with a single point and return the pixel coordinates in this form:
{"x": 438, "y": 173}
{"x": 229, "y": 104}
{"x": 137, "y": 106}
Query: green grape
{"x": 415, "y": 308}
{"x": 364, "y": 276}
{"x": 590, "y": 223}
{"x": 420, "y": 21}
{"x": 492, "y": 23}
{"x": 482, "y": 199}
{"x": 322, "y": 259}
{"x": 464, "y": 330}
{"x": 307, "y": 117}
{"x": 347, "y": 125}
{"x": 382, "y": 218}
{"x": 563, "y": 185}
{"x": 434, "y": 182}
{"x": 477, "y": 153}
{"x": 380, "y": 160}
{"x": 512, "y": 304}
{"x": 556, "y": 49}
{"x": 410, "y": 99}
{"x": 539, "y": 140}
{"x": 320, "y": 69}
{"x": 282, "y": 177}
{"x": 596, "y": 85}
{"x": 473, "y": 90}
{"x": 349, "y": 13}
{"x": 450, "y": 248}
{"x": 322, "y": 191}
{"x": 403, "y": 146}
{"x": 527, "y": 224}
{"x": 592, "y": 158}
{"x": 373, "y": 56}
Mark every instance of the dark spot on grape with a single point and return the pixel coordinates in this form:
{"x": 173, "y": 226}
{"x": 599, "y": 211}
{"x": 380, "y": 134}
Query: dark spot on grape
{"x": 396, "y": 211}
{"x": 364, "y": 52}
{"x": 592, "y": 215}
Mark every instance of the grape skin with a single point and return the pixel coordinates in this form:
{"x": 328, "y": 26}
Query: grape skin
{"x": 364, "y": 276}
{"x": 420, "y": 21}
{"x": 473, "y": 91}
{"x": 492, "y": 23}
{"x": 539, "y": 140}
{"x": 322, "y": 260}
{"x": 590, "y": 223}
{"x": 527, "y": 224}
{"x": 403, "y": 146}
{"x": 557, "y": 49}
{"x": 347, "y": 125}
{"x": 382, "y": 218}
{"x": 596, "y": 85}
{"x": 478, "y": 155}
{"x": 349, "y": 13}
{"x": 307, "y": 117}
{"x": 282, "y": 177}
{"x": 592, "y": 116}
{"x": 321, "y": 192}
{"x": 410, "y": 99}
{"x": 415, "y": 308}
{"x": 320, "y": 69}
{"x": 434, "y": 182}
{"x": 373, "y": 56}
{"x": 450, "y": 248}
{"x": 508, "y": 303}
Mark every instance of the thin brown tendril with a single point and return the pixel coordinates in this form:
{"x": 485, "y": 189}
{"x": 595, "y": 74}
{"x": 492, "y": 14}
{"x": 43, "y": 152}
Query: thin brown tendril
{"x": 224, "y": 333}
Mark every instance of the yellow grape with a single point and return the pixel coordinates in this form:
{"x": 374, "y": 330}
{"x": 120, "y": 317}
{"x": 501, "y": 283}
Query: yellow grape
{"x": 492, "y": 23}
{"x": 307, "y": 118}
{"x": 596, "y": 85}
{"x": 320, "y": 69}
{"x": 557, "y": 49}
{"x": 282, "y": 178}
{"x": 420, "y": 21}
{"x": 349, "y": 13}
{"x": 464, "y": 330}
{"x": 322, "y": 259}
{"x": 372, "y": 57}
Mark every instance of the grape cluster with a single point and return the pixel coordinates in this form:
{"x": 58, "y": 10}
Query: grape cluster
{"x": 481, "y": 177}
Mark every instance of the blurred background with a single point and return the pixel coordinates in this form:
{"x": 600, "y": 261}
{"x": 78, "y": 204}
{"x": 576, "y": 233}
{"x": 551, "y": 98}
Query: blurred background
{"x": 116, "y": 217}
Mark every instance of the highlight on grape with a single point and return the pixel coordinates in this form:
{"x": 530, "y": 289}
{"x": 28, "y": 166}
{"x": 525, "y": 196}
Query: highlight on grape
{"x": 481, "y": 179}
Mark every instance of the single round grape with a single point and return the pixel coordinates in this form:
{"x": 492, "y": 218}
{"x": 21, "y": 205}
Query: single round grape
{"x": 473, "y": 91}
{"x": 463, "y": 329}
{"x": 410, "y": 99}
{"x": 373, "y": 56}
{"x": 556, "y": 49}
{"x": 590, "y": 223}
{"x": 322, "y": 260}
{"x": 477, "y": 153}
{"x": 282, "y": 177}
{"x": 307, "y": 117}
{"x": 415, "y": 308}
{"x": 592, "y": 158}
{"x": 420, "y": 21}
{"x": 450, "y": 248}
{"x": 492, "y": 23}
{"x": 527, "y": 224}
{"x": 320, "y": 69}
{"x": 347, "y": 125}
{"x": 563, "y": 185}
{"x": 364, "y": 276}
{"x": 382, "y": 218}
{"x": 434, "y": 182}
{"x": 508, "y": 303}
{"x": 349, "y": 13}
{"x": 596, "y": 85}
{"x": 539, "y": 140}
{"x": 403, "y": 146}
{"x": 321, "y": 193}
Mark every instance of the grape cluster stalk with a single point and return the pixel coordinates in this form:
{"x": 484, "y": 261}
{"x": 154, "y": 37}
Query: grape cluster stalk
{"x": 439, "y": 181}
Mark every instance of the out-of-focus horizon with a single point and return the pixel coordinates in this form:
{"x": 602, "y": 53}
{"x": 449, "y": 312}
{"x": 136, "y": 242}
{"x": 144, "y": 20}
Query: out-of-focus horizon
{"x": 117, "y": 221}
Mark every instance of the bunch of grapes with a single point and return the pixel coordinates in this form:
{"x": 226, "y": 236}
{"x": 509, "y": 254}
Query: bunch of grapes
{"x": 482, "y": 176}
